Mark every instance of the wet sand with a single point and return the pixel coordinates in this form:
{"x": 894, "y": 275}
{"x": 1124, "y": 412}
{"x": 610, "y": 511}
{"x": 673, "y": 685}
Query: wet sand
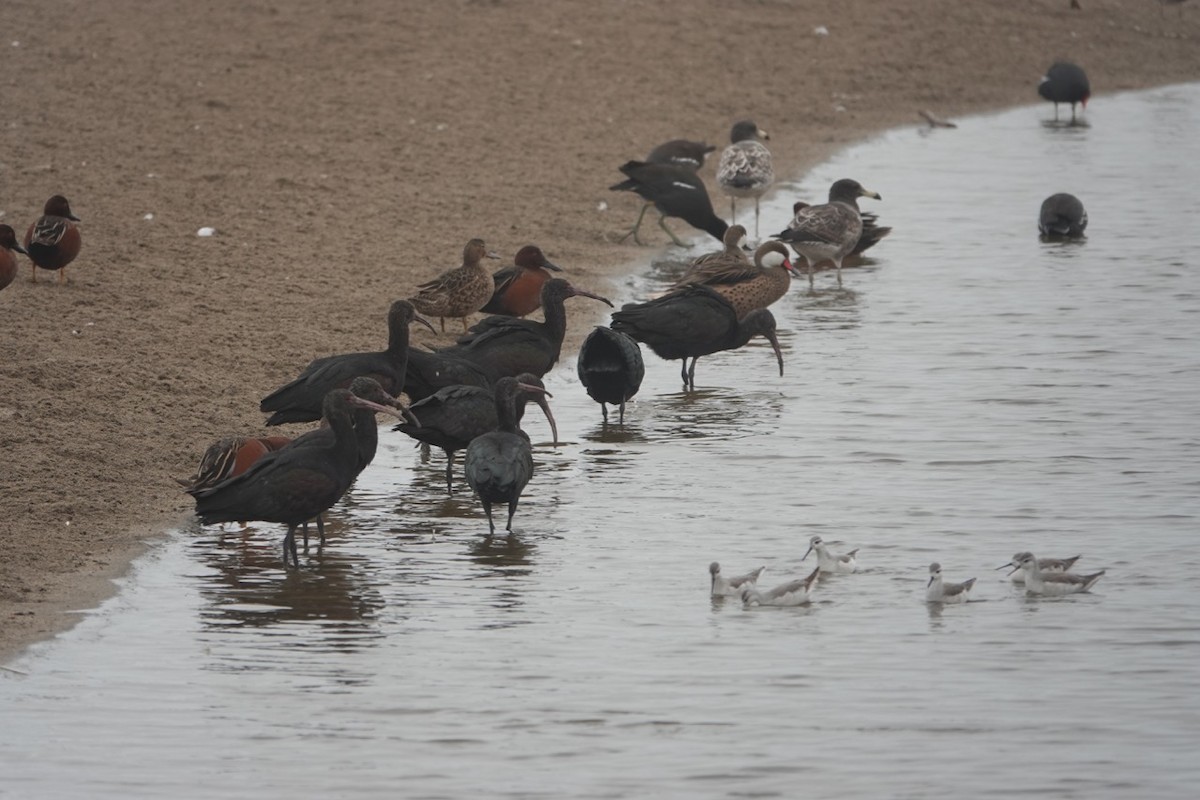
{"x": 346, "y": 153}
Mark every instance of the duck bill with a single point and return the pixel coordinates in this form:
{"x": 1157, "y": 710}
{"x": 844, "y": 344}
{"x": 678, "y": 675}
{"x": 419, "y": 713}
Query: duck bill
{"x": 869, "y": 193}
{"x": 551, "y": 266}
{"x": 20, "y": 249}
{"x": 491, "y": 254}
{"x": 790, "y": 267}
{"x": 774, "y": 340}
{"x": 586, "y": 293}
{"x": 764, "y": 135}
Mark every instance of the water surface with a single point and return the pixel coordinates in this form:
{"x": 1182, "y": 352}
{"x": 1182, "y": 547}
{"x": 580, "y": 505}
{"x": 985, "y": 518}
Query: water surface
{"x": 972, "y": 392}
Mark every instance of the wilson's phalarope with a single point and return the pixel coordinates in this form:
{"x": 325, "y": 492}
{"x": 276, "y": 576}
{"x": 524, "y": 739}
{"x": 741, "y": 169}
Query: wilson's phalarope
{"x": 731, "y": 587}
{"x": 1044, "y": 564}
{"x": 1053, "y": 583}
{"x": 827, "y": 561}
{"x": 794, "y": 593}
{"x": 938, "y": 591}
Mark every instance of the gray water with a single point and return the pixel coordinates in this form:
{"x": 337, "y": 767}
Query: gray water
{"x": 971, "y": 393}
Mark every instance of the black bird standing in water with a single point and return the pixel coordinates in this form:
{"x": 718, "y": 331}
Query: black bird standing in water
{"x": 454, "y": 415}
{"x": 296, "y": 483}
{"x": 499, "y": 464}
{"x": 610, "y": 368}
{"x": 692, "y": 322}
{"x": 1065, "y": 82}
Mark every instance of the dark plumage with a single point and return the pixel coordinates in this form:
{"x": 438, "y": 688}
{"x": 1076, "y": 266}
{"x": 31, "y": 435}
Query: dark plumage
{"x": 692, "y": 322}
{"x": 300, "y": 400}
{"x": 454, "y": 415}
{"x": 674, "y": 192}
{"x": 499, "y": 464}
{"x": 296, "y": 483}
{"x": 681, "y": 153}
{"x": 610, "y": 368}
{"x": 1062, "y": 216}
{"x": 1065, "y": 82}
{"x": 505, "y": 346}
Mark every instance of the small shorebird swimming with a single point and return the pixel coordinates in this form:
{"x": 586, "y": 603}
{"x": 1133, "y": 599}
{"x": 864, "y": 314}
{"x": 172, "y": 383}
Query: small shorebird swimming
{"x": 1053, "y": 583}
{"x": 1044, "y": 564}
{"x": 938, "y": 591}
{"x": 793, "y": 593}
{"x": 731, "y": 587}
{"x": 829, "y": 562}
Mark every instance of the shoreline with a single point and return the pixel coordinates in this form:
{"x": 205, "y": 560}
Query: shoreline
{"x": 163, "y": 342}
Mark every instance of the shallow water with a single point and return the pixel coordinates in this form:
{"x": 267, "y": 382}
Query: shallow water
{"x": 971, "y": 393}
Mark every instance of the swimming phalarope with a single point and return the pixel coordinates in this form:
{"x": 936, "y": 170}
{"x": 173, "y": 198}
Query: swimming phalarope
{"x": 731, "y": 587}
{"x": 938, "y": 591}
{"x": 1053, "y": 583}
{"x": 829, "y": 562}
{"x": 1044, "y": 564}
{"x": 793, "y": 593}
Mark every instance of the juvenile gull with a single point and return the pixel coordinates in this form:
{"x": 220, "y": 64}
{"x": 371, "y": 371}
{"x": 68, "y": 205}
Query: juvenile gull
{"x": 831, "y": 230}
{"x": 745, "y": 168}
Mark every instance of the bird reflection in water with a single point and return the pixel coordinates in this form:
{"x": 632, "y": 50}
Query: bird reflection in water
{"x": 245, "y": 589}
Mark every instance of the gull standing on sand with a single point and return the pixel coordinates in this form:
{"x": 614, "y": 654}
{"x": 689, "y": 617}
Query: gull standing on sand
{"x": 938, "y": 591}
{"x": 793, "y": 593}
{"x": 1046, "y": 565}
{"x": 828, "y": 232}
{"x": 830, "y": 562}
{"x": 745, "y": 168}
{"x": 1053, "y": 583}
{"x": 731, "y": 587}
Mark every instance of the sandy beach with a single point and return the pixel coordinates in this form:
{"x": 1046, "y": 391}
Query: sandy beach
{"x": 344, "y": 153}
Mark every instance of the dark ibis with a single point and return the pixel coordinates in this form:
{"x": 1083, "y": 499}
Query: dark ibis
{"x": 296, "y": 483}
{"x": 300, "y": 400}
{"x": 458, "y": 292}
{"x": 610, "y": 368}
{"x": 454, "y": 415}
{"x": 745, "y": 168}
{"x": 1062, "y": 216}
{"x": 1065, "y": 82}
{"x": 691, "y": 322}
{"x": 518, "y": 288}
{"x": 506, "y": 346}
{"x": 499, "y": 464}
{"x": 828, "y": 231}
{"x": 53, "y": 240}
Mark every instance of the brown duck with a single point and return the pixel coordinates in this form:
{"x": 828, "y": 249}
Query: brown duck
{"x": 746, "y": 286}
{"x": 53, "y": 241}
{"x": 459, "y": 292}
{"x": 733, "y": 253}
